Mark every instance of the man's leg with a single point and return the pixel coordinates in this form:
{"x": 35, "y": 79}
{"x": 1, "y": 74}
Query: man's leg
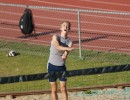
{"x": 64, "y": 90}
{"x": 54, "y": 90}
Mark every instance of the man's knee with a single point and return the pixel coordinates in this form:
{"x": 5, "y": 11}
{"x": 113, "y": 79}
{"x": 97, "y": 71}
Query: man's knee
{"x": 54, "y": 90}
{"x": 63, "y": 89}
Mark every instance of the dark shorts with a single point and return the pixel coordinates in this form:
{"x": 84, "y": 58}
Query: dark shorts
{"x": 52, "y": 69}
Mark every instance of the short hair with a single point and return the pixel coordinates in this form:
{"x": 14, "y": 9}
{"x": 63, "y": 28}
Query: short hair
{"x": 69, "y": 24}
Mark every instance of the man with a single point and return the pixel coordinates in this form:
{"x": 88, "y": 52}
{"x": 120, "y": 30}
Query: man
{"x": 60, "y": 47}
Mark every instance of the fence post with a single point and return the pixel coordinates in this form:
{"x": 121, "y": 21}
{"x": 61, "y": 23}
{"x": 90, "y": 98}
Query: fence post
{"x": 79, "y": 35}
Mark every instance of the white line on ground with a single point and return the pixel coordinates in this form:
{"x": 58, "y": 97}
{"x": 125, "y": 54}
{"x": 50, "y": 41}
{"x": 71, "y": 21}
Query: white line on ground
{"x": 108, "y": 3}
{"x": 68, "y": 5}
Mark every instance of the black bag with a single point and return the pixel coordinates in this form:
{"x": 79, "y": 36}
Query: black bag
{"x": 26, "y": 24}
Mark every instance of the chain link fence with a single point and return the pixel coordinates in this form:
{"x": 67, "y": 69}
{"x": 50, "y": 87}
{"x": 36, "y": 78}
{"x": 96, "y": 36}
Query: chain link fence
{"x": 100, "y": 38}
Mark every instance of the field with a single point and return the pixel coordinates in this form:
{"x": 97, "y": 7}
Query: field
{"x": 32, "y": 59}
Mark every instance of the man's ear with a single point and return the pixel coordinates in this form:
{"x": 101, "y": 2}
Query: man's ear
{"x": 69, "y": 28}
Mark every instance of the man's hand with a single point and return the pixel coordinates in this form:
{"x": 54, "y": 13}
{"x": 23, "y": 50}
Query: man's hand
{"x": 64, "y": 56}
{"x": 70, "y": 49}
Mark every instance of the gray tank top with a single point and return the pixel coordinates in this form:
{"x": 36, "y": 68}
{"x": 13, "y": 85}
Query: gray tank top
{"x": 55, "y": 55}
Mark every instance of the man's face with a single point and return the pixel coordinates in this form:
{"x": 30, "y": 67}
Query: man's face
{"x": 65, "y": 27}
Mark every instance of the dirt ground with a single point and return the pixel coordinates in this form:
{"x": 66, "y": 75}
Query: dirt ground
{"x": 105, "y": 94}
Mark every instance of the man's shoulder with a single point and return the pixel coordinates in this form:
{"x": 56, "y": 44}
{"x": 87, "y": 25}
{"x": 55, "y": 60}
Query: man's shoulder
{"x": 56, "y": 35}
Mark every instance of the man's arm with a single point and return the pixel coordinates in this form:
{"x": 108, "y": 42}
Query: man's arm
{"x": 58, "y": 46}
{"x": 65, "y": 54}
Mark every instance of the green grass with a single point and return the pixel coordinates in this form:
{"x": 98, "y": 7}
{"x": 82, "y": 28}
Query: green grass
{"x": 33, "y": 59}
